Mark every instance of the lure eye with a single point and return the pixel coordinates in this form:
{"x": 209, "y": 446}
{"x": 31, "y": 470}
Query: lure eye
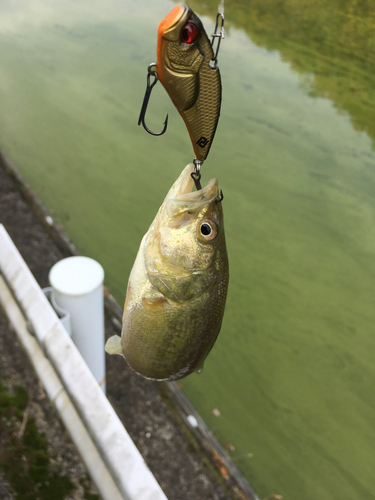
{"x": 208, "y": 230}
{"x": 189, "y": 33}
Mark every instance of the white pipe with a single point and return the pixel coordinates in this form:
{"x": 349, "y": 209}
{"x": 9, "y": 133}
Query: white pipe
{"x": 77, "y": 284}
{"x": 114, "y": 444}
{"x": 59, "y": 398}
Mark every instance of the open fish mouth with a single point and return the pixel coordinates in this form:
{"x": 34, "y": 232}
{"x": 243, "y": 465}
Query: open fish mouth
{"x": 182, "y": 198}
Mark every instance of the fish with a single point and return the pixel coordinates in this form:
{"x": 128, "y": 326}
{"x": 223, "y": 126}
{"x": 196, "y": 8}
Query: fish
{"x": 183, "y": 65}
{"x": 178, "y": 285}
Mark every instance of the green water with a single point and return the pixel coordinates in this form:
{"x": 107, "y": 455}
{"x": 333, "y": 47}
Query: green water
{"x": 293, "y": 370}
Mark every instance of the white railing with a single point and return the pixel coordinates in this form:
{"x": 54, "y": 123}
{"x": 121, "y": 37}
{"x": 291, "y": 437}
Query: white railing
{"x": 110, "y": 455}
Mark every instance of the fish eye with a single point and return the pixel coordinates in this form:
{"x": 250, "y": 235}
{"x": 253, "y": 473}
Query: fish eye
{"x": 208, "y": 229}
{"x": 189, "y": 33}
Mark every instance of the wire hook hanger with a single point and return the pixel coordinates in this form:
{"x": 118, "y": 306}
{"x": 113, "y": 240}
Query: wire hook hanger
{"x": 218, "y": 35}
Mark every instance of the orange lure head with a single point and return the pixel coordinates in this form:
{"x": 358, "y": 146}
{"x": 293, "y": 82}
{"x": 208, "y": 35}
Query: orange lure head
{"x": 183, "y": 56}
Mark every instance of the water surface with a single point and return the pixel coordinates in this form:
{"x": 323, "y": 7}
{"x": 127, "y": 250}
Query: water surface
{"x": 293, "y": 370}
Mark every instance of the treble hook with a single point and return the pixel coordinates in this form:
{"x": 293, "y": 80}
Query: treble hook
{"x": 196, "y": 175}
{"x": 150, "y": 72}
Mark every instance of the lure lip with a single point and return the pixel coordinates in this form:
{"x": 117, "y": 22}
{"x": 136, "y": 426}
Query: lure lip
{"x": 173, "y": 19}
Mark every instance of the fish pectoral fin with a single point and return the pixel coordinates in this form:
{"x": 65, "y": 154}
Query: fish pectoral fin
{"x": 153, "y": 298}
{"x": 199, "y": 369}
{"x": 113, "y": 345}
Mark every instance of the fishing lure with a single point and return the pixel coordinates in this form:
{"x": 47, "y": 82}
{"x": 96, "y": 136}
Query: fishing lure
{"x": 187, "y": 68}
{"x": 178, "y": 285}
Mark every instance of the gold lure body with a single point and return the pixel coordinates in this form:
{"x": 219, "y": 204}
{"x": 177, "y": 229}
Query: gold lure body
{"x": 184, "y": 53}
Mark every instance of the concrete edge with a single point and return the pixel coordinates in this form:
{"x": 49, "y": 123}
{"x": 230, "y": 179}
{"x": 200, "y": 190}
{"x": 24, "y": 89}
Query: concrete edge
{"x": 125, "y": 463}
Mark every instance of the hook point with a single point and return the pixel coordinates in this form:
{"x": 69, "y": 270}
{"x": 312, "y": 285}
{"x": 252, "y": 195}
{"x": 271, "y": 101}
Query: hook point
{"x": 149, "y": 87}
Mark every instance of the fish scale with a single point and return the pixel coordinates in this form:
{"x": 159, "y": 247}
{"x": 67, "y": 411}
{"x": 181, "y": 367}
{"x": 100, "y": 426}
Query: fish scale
{"x": 178, "y": 285}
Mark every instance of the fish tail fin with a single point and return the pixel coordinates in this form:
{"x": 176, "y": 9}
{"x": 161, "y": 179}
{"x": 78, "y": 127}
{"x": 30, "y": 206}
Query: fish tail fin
{"x": 113, "y": 345}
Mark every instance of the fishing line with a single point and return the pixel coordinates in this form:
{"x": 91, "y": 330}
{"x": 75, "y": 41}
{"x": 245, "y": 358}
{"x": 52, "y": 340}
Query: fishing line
{"x": 220, "y": 8}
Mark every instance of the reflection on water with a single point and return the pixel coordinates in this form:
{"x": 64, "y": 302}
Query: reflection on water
{"x": 332, "y": 42}
{"x": 292, "y": 372}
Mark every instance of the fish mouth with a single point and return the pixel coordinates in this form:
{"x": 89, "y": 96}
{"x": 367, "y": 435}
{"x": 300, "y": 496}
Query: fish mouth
{"x": 182, "y": 198}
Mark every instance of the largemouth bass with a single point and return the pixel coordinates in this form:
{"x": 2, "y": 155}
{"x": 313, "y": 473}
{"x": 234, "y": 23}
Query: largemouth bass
{"x": 178, "y": 285}
{"x": 184, "y": 53}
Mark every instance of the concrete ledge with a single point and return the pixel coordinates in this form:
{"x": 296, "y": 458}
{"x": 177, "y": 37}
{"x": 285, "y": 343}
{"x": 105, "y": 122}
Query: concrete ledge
{"x": 127, "y": 467}
{"x": 59, "y": 398}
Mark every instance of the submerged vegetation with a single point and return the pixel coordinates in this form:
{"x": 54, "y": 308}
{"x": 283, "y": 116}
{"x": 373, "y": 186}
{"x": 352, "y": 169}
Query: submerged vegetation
{"x": 331, "y": 44}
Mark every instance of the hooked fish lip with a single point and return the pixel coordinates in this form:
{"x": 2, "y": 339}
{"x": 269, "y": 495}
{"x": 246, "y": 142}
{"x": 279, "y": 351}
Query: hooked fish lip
{"x": 207, "y": 193}
{"x": 182, "y": 196}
